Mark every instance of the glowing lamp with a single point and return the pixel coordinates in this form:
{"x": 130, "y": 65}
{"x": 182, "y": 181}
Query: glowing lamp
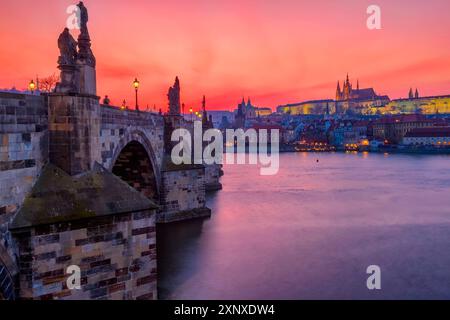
{"x": 136, "y": 84}
{"x": 32, "y": 86}
{"x": 136, "y": 87}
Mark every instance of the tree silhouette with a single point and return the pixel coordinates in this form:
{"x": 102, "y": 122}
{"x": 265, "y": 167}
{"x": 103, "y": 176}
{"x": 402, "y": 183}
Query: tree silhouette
{"x": 48, "y": 84}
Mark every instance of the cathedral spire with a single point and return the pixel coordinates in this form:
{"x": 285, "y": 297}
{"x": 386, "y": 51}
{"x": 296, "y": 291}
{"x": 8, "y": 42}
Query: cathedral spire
{"x": 205, "y": 114}
{"x": 338, "y": 91}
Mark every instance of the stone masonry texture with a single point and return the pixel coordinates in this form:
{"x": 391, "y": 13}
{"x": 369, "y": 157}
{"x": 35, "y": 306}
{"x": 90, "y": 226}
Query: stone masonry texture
{"x": 116, "y": 254}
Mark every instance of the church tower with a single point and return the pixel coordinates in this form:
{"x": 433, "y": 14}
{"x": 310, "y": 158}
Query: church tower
{"x": 347, "y": 89}
{"x": 338, "y": 92}
{"x": 205, "y": 114}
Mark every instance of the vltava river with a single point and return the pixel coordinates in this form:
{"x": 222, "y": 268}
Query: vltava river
{"x": 311, "y": 231}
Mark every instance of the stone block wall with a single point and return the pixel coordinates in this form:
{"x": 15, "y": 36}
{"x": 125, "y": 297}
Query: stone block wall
{"x": 116, "y": 254}
{"x": 23, "y": 152}
{"x": 183, "y": 196}
{"x": 212, "y": 177}
{"x": 74, "y": 132}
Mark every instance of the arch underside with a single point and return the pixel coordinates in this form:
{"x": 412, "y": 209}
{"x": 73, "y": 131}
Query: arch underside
{"x": 133, "y": 165}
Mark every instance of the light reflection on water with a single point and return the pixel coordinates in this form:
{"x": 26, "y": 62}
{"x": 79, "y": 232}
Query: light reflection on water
{"x": 310, "y": 231}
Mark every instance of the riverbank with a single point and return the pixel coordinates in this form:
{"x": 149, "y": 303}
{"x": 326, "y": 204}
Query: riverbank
{"x": 388, "y": 149}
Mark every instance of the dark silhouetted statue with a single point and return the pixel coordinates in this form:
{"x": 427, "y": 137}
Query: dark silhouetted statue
{"x": 174, "y": 98}
{"x": 67, "y": 47}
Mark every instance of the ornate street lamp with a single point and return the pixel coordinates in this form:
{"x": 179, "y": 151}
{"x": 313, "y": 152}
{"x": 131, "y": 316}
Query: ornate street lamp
{"x": 124, "y": 105}
{"x": 32, "y": 86}
{"x": 136, "y": 87}
{"x": 191, "y": 111}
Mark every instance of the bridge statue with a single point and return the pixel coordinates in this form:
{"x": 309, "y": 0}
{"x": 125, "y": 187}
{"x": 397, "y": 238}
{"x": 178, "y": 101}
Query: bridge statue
{"x": 174, "y": 98}
{"x": 84, "y": 40}
{"x": 67, "y": 47}
{"x": 84, "y": 17}
{"x": 67, "y": 63}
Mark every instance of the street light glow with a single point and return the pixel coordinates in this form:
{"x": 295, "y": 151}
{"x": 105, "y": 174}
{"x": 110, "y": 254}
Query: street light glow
{"x": 136, "y": 84}
{"x": 32, "y": 86}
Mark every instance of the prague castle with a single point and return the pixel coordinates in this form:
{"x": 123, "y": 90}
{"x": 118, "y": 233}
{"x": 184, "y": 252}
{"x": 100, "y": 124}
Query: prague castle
{"x": 415, "y": 104}
{"x": 347, "y": 100}
{"x": 357, "y": 100}
{"x": 367, "y": 102}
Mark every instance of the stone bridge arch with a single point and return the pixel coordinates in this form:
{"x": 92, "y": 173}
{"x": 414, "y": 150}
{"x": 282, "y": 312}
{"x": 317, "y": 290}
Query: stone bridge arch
{"x": 134, "y": 160}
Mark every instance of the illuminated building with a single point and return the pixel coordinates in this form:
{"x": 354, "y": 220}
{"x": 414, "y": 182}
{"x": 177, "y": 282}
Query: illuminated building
{"x": 394, "y": 128}
{"x": 347, "y": 100}
{"x": 309, "y": 107}
{"x": 359, "y": 101}
{"x": 424, "y": 105}
{"x": 436, "y": 136}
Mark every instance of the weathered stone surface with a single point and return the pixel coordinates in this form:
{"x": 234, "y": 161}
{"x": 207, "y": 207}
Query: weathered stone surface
{"x": 121, "y": 128}
{"x": 74, "y": 127}
{"x": 23, "y": 152}
{"x": 183, "y": 194}
{"x": 110, "y": 269}
{"x": 58, "y": 197}
{"x": 212, "y": 177}
{"x": 95, "y": 221}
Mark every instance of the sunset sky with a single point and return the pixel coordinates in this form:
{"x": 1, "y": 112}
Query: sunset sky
{"x": 274, "y": 51}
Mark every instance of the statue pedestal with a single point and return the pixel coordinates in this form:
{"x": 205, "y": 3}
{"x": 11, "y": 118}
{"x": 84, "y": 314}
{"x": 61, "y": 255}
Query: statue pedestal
{"x": 74, "y": 131}
{"x": 69, "y": 79}
{"x": 88, "y": 79}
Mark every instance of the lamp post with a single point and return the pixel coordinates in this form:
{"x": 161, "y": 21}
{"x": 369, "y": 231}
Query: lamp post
{"x": 191, "y": 110}
{"x": 136, "y": 87}
{"x": 124, "y": 105}
{"x": 32, "y": 86}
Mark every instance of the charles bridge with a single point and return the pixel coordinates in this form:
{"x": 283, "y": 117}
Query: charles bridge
{"x": 86, "y": 184}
